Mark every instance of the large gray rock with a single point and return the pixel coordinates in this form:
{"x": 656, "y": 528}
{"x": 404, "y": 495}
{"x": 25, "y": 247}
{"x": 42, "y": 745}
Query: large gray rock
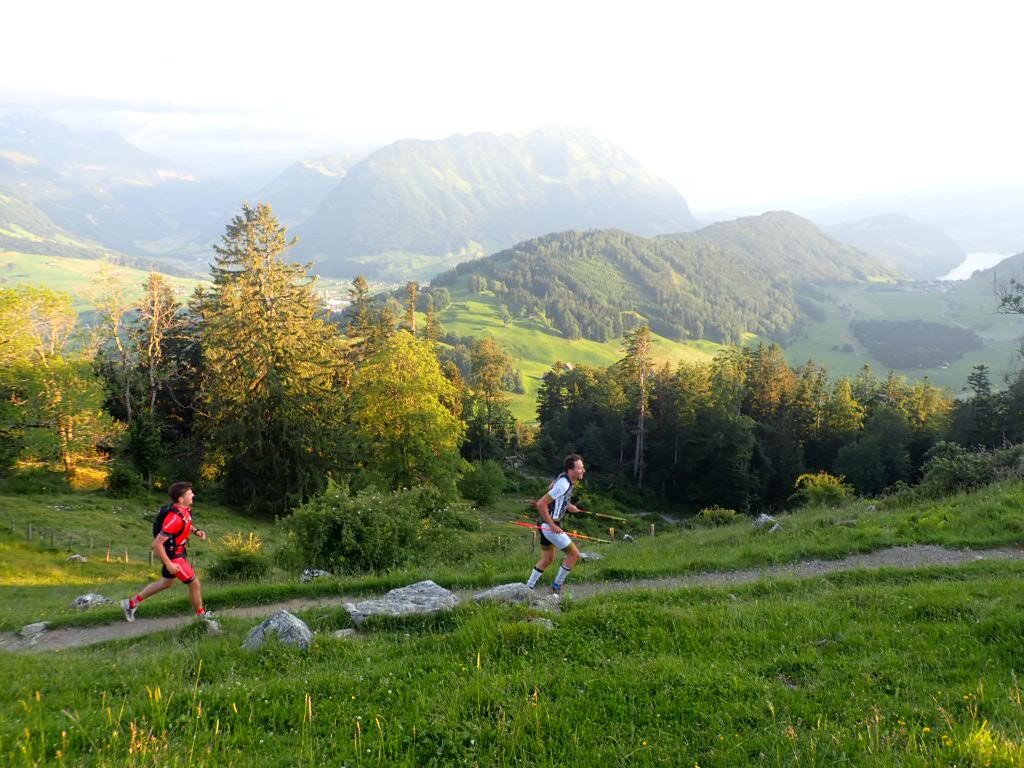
{"x": 77, "y": 558}
{"x": 519, "y": 594}
{"x": 421, "y": 597}
{"x": 90, "y": 600}
{"x": 288, "y": 629}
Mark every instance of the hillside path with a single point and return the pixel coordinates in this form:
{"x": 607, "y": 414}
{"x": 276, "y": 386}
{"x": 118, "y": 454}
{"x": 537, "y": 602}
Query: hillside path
{"x": 916, "y": 556}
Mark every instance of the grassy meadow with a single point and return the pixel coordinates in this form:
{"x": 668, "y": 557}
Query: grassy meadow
{"x": 534, "y": 347}
{"x": 886, "y": 667}
{"x": 967, "y": 304}
{"x": 79, "y": 277}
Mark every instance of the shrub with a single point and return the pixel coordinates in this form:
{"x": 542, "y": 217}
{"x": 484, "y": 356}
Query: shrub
{"x": 483, "y": 483}
{"x": 240, "y": 557}
{"x": 341, "y": 533}
{"x": 951, "y": 468}
{"x": 821, "y": 488}
{"x": 715, "y": 516}
{"x": 123, "y": 482}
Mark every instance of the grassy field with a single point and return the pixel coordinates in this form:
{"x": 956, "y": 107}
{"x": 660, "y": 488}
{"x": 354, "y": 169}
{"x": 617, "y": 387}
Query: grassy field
{"x": 534, "y": 348}
{"x": 911, "y": 668}
{"x": 76, "y": 276}
{"x": 37, "y": 583}
{"x": 883, "y": 667}
{"x": 968, "y": 304}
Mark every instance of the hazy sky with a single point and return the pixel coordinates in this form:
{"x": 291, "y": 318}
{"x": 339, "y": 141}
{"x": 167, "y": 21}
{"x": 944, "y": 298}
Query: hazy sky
{"x": 736, "y": 103}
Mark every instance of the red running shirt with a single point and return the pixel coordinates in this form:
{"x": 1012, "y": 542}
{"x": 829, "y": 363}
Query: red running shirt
{"x": 177, "y": 525}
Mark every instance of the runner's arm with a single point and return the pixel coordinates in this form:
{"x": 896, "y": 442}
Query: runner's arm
{"x": 161, "y": 551}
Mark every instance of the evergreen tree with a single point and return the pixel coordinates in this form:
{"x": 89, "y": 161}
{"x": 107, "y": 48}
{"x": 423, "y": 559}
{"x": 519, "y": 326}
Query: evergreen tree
{"x": 360, "y": 312}
{"x": 492, "y": 422}
{"x": 636, "y": 367}
{"x": 412, "y": 290}
{"x": 269, "y": 399}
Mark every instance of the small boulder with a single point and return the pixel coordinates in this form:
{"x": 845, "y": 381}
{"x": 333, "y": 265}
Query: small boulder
{"x": 540, "y": 621}
{"x": 313, "y": 573}
{"x": 90, "y": 600}
{"x": 592, "y": 555}
{"x": 628, "y": 539}
{"x": 421, "y": 597}
{"x": 31, "y": 632}
{"x": 518, "y": 594}
{"x": 775, "y": 528}
{"x": 342, "y": 633}
{"x": 288, "y": 629}
{"x": 506, "y": 593}
{"x": 764, "y": 521}
{"x": 76, "y": 558}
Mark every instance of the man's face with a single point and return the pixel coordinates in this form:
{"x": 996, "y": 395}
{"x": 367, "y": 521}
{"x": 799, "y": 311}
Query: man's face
{"x": 576, "y": 473}
{"x": 186, "y": 498}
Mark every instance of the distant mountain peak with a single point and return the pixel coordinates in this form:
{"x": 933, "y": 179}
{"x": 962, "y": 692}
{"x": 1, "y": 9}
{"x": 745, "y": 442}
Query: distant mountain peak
{"x": 469, "y": 194}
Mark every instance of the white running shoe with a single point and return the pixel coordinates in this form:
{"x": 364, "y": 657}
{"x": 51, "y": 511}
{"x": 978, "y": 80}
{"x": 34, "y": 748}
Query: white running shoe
{"x": 129, "y": 611}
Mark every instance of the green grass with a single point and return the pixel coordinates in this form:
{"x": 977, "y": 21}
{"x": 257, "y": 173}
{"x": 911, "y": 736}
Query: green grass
{"x": 908, "y": 668}
{"x": 74, "y": 276}
{"x": 36, "y": 583}
{"x": 897, "y": 667}
{"x": 969, "y": 304}
{"x": 534, "y": 348}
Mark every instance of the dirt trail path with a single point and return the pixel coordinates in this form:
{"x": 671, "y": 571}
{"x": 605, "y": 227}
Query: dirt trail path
{"x": 894, "y": 557}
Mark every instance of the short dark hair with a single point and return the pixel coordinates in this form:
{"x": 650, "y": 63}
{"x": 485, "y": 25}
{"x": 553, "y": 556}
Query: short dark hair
{"x": 570, "y": 461}
{"x": 177, "y": 490}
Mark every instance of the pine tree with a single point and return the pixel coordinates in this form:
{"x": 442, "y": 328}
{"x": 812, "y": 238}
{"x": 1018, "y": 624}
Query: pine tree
{"x": 412, "y": 290}
{"x": 272, "y": 365}
{"x": 636, "y": 367}
{"x": 361, "y": 316}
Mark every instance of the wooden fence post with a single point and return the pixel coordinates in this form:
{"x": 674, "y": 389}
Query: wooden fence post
{"x": 126, "y": 555}
{"x": 652, "y": 529}
{"x": 108, "y": 552}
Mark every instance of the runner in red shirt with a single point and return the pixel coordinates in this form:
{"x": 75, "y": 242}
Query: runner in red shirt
{"x": 170, "y": 545}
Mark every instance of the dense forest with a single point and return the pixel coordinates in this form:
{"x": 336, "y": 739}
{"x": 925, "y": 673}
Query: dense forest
{"x": 914, "y": 343}
{"x": 719, "y": 283}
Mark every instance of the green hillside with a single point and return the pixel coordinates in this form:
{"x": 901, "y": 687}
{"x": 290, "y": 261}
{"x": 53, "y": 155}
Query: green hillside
{"x": 74, "y": 275}
{"x": 719, "y": 283}
{"x": 968, "y": 304}
{"x": 26, "y": 227}
{"x": 535, "y": 347}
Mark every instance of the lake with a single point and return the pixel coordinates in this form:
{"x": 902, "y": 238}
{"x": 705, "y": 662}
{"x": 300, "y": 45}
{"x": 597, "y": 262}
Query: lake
{"x": 972, "y": 263}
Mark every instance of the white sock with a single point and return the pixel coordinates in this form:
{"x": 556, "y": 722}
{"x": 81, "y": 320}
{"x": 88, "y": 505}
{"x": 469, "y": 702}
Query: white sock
{"x": 534, "y": 578}
{"x": 560, "y": 577}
